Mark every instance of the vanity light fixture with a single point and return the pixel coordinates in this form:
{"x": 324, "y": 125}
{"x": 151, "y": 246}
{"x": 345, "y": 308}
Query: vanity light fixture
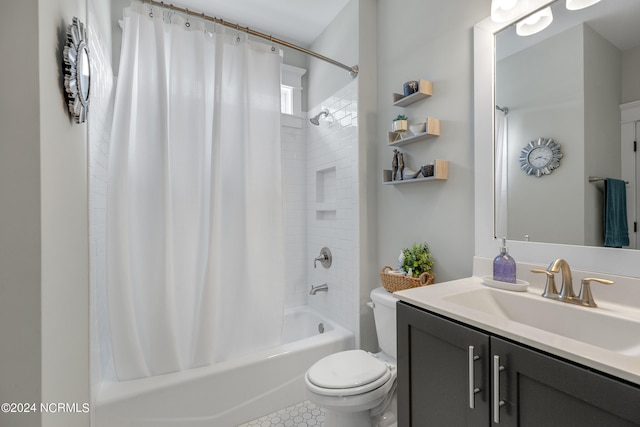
{"x": 535, "y": 23}
{"x": 580, "y": 4}
{"x": 506, "y": 10}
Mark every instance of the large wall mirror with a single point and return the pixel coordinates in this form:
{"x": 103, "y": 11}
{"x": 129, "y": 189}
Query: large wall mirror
{"x": 567, "y": 83}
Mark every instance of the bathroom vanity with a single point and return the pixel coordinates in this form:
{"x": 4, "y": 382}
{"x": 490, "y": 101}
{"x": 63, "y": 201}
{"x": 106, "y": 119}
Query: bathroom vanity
{"x": 466, "y": 359}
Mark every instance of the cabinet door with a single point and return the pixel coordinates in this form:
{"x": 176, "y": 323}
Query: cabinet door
{"x": 435, "y": 387}
{"x": 540, "y": 390}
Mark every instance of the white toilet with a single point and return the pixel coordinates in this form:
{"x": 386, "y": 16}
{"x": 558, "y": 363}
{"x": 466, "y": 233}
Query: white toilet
{"x": 357, "y": 388}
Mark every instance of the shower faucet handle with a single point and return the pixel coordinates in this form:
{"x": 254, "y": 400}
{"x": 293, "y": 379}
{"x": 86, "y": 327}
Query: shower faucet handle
{"x": 324, "y": 258}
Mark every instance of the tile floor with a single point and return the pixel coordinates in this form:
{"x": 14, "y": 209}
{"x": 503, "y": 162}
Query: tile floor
{"x": 303, "y": 414}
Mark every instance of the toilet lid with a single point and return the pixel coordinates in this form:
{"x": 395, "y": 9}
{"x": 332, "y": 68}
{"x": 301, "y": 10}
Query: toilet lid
{"x": 346, "y": 370}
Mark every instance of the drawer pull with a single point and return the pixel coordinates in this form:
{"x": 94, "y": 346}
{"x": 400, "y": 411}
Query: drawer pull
{"x": 497, "y": 403}
{"x": 472, "y": 389}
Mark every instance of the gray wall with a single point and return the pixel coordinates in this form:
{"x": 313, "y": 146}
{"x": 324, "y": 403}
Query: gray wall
{"x": 20, "y": 239}
{"x": 631, "y": 75}
{"x": 43, "y": 232}
{"x": 339, "y": 41}
{"x": 431, "y": 40}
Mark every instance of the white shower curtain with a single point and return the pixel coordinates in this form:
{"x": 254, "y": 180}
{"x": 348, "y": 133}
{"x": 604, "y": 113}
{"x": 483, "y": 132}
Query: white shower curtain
{"x": 194, "y": 205}
{"x": 501, "y": 162}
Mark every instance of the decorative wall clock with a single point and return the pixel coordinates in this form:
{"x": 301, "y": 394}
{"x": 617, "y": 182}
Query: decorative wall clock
{"x": 77, "y": 76}
{"x": 540, "y": 157}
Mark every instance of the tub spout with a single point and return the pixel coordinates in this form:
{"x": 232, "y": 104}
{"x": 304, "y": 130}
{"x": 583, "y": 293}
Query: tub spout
{"x": 319, "y": 288}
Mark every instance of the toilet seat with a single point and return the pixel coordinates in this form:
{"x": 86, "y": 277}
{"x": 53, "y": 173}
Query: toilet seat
{"x": 347, "y": 373}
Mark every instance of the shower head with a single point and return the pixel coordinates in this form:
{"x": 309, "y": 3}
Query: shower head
{"x": 316, "y": 119}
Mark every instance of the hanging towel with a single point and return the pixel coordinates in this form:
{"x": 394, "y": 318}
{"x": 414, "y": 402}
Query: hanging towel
{"x": 616, "y": 232}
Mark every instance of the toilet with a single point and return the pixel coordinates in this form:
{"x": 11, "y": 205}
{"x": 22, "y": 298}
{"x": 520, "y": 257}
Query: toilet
{"x": 357, "y": 388}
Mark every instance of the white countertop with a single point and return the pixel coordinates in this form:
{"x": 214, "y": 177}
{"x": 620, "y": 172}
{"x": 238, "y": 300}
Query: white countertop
{"x": 434, "y": 298}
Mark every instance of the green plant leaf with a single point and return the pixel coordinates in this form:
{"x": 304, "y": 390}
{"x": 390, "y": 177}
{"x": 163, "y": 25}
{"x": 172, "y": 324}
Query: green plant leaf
{"x": 418, "y": 259}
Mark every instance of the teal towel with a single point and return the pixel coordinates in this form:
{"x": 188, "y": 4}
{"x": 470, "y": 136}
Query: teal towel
{"x": 616, "y": 231}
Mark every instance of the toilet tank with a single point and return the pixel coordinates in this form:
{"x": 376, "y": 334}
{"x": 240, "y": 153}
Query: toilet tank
{"x": 384, "y": 313}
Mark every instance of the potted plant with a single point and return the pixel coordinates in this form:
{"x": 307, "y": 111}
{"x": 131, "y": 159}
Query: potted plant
{"x": 417, "y": 260}
{"x": 400, "y": 123}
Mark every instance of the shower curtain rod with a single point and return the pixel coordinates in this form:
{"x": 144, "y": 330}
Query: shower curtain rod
{"x": 353, "y": 70}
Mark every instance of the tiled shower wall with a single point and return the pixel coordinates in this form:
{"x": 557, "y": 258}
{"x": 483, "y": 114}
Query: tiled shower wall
{"x": 332, "y": 206}
{"x": 294, "y": 177}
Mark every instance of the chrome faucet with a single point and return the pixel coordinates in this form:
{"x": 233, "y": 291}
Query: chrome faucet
{"x": 320, "y": 288}
{"x": 566, "y": 294}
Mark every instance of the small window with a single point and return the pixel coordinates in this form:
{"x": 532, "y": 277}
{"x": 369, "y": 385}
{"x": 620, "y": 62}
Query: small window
{"x": 286, "y": 99}
{"x": 291, "y": 90}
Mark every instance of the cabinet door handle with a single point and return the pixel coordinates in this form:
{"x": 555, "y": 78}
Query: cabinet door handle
{"x": 497, "y": 403}
{"x": 472, "y": 389}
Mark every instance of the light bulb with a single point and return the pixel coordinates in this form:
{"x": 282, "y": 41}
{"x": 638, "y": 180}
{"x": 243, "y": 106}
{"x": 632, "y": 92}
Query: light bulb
{"x": 535, "y": 23}
{"x": 506, "y": 10}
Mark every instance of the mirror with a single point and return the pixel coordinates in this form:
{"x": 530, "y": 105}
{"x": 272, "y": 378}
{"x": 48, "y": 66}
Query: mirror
{"x": 565, "y": 83}
{"x": 622, "y": 262}
{"x": 77, "y": 78}
{"x": 83, "y": 74}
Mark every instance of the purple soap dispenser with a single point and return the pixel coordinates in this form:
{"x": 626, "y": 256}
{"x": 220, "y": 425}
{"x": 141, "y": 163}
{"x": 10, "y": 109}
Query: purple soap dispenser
{"x": 504, "y": 266}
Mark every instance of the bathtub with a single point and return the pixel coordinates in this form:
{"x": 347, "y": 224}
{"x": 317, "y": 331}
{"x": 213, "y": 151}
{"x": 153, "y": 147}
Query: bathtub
{"x": 229, "y": 393}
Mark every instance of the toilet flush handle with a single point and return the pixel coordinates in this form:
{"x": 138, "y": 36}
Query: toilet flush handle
{"x": 371, "y": 304}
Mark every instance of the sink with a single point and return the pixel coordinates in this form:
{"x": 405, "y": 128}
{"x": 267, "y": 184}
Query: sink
{"x": 601, "y": 327}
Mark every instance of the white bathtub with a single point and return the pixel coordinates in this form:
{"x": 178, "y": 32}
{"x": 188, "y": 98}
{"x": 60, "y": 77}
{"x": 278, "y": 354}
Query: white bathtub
{"x": 229, "y": 393}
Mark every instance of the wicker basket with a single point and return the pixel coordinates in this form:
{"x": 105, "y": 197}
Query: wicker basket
{"x": 397, "y": 282}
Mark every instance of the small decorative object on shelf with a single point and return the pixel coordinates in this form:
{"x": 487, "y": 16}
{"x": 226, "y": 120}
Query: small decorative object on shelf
{"x": 431, "y": 129}
{"x": 414, "y": 269}
{"x": 424, "y": 89}
{"x": 409, "y": 88}
{"x": 394, "y": 164}
{"x": 400, "y": 123}
{"x": 418, "y": 128}
{"x": 437, "y": 171}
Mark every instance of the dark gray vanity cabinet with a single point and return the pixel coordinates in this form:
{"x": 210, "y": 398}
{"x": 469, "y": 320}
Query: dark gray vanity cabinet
{"x": 434, "y": 371}
{"x": 437, "y": 356}
{"x": 542, "y": 390}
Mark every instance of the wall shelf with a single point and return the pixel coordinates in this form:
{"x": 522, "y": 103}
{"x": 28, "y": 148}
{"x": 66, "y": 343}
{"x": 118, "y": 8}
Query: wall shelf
{"x": 440, "y": 173}
{"x": 432, "y": 130}
{"x": 395, "y": 139}
{"x": 425, "y": 89}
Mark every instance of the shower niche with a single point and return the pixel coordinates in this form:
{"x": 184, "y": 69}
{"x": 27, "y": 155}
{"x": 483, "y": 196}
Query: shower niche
{"x": 326, "y": 194}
